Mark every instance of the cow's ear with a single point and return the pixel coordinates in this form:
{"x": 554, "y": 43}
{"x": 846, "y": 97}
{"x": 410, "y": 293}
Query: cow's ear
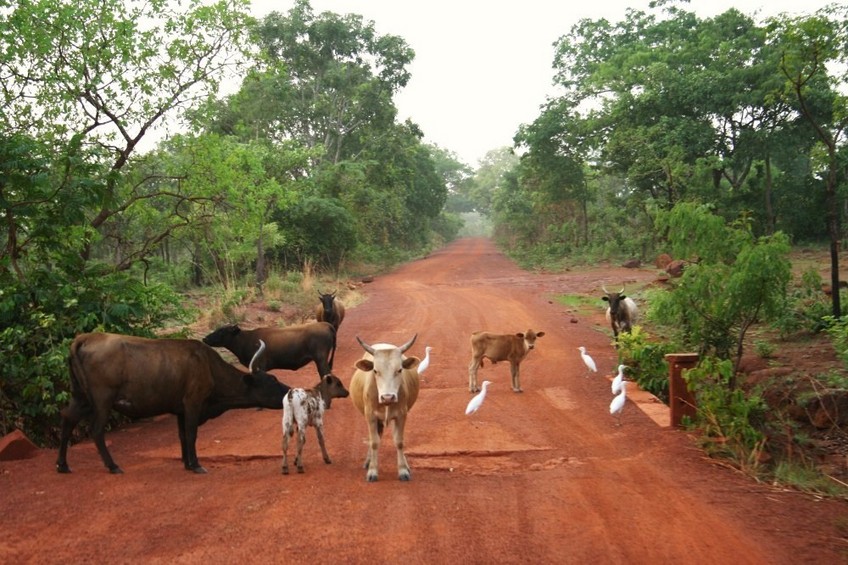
{"x": 605, "y": 297}
{"x": 540, "y": 334}
{"x": 365, "y": 365}
{"x": 622, "y": 296}
{"x": 521, "y": 335}
{"x": 411, "y": 362}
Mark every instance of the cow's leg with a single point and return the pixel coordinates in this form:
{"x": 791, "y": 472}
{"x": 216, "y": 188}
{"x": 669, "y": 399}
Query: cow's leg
{"x": 472, "y": 374}
{"x": 403, "y": 464}
{"x": 319, "y": 431}
{"x": 288, "y": 431}
{"x": 373, "y": 448}
{"x": 182, "y": 435}
{"x": 192, "y": 422}
{"x": 98, "y": 433}
{"x": 514, "y": 369}
{"x": 71, "y": 416}
{"x": 301, "y": 440}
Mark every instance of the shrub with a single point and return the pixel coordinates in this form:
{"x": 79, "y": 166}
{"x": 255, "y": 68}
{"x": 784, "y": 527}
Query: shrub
{"x": 646, "y": 360}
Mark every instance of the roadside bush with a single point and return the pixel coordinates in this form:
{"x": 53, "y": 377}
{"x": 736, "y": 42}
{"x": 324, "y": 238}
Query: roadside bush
{"x": 837, "y": 329}
{"x": 730, "y": 420}
{"x": 646, "y": 359}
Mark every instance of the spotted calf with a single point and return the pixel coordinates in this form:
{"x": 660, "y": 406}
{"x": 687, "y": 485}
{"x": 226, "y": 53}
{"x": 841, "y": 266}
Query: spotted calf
{"x": 302, "y": 408}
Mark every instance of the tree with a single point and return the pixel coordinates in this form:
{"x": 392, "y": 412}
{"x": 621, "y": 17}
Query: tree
{"x": 810, "y": 47}
{"x": 737, "y": 280}
{"x": 92, "y": 79}
{"x": 341, "y": 77}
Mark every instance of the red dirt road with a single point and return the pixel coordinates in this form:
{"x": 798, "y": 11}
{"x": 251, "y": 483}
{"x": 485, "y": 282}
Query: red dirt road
{"x": 539, "y": 477}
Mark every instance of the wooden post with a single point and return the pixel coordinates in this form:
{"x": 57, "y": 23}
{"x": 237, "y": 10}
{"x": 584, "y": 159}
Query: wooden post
{"x": 680, "y": 400}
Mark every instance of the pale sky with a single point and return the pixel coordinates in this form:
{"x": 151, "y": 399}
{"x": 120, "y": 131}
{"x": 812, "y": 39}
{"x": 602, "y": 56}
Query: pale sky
{"x": 484, "y": 67}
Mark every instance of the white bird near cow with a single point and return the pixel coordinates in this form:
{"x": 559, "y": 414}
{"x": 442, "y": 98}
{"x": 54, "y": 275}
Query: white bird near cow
{"x": 616, "y": 382}
{"x": 426, "y": 362}
{"x": 475, "y": 403}
{"x": 588, "y": 361}
{"x": 617, "y": 404}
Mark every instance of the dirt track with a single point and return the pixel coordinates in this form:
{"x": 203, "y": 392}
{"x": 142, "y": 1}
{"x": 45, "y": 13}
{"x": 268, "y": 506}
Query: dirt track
{"x": 539, "y": 477}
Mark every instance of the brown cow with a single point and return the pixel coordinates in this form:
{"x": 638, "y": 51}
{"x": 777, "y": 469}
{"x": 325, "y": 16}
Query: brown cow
{"x": 141, "y": 377}
{"x": 384, "y": 388}
{"x": 500, "y": 347}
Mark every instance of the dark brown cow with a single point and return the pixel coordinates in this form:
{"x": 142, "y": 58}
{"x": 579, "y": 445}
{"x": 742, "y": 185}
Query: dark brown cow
{"x": 330, "y": 309}
{"x": 384, "y": 388}
{"x": 141, "y": 377}
{"x": 288, "y": 348}
{"x": 500, "y": 347}
{"x": 303, "y": 408}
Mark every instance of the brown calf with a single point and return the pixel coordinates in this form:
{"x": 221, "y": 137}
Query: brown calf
{"x": 500, "y": 347}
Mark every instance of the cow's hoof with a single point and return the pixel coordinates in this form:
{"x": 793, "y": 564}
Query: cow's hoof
{"x": 285, "y": 470}
{"x": 199, "y": 470}
{"x": 517, "y": 390}
{"x": 473, "y": 390}
{"x": 62, "y": 468}
{"x": 327, "y": 461}
{"x": 300, "y": 469}
{"x": 404, "y": 476}
{"x": 371, "y": 478}
{"x": 116, "y": 470}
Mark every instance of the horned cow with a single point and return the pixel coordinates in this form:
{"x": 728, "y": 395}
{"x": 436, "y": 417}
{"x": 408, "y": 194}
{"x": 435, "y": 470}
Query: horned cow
{"x": 141, "y": 377}
{"x": 500, "y": 347}
{"x": 330, "y": 309}
{"x": 303, "y": 408}
{"x": 622, "y": 311}
{"x": 384, "y": 388}
{"x": 288, "y": 348}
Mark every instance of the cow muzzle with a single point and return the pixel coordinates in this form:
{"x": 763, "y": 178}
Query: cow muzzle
{"x": 388, "y": 398}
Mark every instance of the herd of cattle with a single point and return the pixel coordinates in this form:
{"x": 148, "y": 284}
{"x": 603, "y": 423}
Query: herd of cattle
{"x": 141, "y": 377}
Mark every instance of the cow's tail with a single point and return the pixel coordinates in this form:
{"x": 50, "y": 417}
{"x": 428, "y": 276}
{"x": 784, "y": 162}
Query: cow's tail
{"x": 78, "y": 377}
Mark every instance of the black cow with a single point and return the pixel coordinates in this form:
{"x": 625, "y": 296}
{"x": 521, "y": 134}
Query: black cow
{"x": 288, "y": 348}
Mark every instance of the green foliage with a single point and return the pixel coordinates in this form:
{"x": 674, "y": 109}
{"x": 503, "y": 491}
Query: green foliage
{"x": 837, "y": 329}
{"x": 39, "y": 320}
{"x": 730, "y": 420}
{"x": 646, "y": 360}
{"x": 318, "y": 229}
{"x": 806, "y": 306}
{"x": 737, "y": 282}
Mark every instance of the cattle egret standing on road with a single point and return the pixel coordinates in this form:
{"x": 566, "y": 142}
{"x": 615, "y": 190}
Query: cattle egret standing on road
{"x": 477, "y": 401}
{"x": 588, "y": 361}
{"x": 426, "y": 362}
{"x": 616, "y": 382}
{"x": 617, "y": 404}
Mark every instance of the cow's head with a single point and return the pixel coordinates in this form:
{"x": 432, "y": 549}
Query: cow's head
{"x": 388, "y": 364}
{"x": 615, "y": 299}
{"x": 327, "y": 300}
{"x": 529, "y": 338}
{"x": 222, "y": 336}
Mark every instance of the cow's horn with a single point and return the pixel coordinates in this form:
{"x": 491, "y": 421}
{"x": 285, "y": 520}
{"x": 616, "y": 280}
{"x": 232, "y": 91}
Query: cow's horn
{"x": 256, "y": 355}
{"x": 622, "y": 290}
{"x": 603, "y": 286}
{"x": 408, "y": 344}
{"x": 365, "y": 346}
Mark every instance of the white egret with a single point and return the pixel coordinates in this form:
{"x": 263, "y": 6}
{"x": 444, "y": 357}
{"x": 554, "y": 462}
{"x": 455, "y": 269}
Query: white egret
{"x": 616, "y": 382}
{"x": 426, "y": 362}
{"x": 588, "y": 361}
{"x": 617, "y": 404}
{"x": 475, "y": 402}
